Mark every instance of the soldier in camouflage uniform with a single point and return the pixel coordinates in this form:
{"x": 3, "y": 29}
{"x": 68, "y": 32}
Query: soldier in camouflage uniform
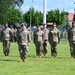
{"x": 46, "y": 32}
{"x": 54, "y": 40}
{"x": 22, "y": 39}
{"x": 38, "y": 41}
{"x": 6, "y": 37}
{"x": 71, "y": 39}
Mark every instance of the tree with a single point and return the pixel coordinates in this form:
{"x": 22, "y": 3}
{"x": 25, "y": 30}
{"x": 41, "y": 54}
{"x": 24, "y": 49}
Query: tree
{"x": 14, "y": 15}
{"x": 36, "y": 17}
{"x": 56, "y": 16}
{"x": 4, "y": 7}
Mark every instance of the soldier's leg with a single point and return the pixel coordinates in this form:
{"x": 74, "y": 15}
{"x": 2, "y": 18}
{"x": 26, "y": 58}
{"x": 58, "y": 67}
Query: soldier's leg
{"x": 39, "y": 49}
{"x": 8, "y": 48}
{"x": 24, "y": 53}
{"x": 4, "y": 48}
{"x": 54, "y": 49}
{"x": 21, "y": 51}
{"x": 71, "y": 49}
{"x": 45, "y": 47}
{"x": 51, "y": 50}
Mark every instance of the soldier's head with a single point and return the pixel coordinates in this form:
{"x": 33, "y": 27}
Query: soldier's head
{"x": 23, "y": 27}
{"x": 54, "y": 25}
{"x": 45, "y": 25}
{"x": 6, "y": 25}
{"x": 38, "y": 28}
{"x": 73, "y": 24}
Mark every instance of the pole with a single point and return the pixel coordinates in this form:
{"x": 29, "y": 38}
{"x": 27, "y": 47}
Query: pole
{"x": 30, "y": 17}
{"x": 44, "y": 11}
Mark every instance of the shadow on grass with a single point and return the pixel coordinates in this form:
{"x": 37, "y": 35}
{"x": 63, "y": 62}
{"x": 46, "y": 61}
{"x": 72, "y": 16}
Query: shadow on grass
{"x": 31, "y": 56}
{"x": 8, "y": 60}
{"x": 13, "y": 56}
{"x": 1, "y": 55}
{"x": 64, "y": 58}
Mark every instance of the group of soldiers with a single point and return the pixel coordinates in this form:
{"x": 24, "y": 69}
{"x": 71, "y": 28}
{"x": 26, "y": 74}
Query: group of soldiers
{"x": 41, "y": 39}
{"x": 22, "y": 34}
{"x": 71, "y": 39}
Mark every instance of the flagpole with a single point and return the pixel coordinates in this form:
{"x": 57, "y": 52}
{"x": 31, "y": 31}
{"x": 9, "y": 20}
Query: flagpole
{"x": 44, "y": 11}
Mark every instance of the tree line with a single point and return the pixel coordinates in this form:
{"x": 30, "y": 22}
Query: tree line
{"x": 9, "y": 13}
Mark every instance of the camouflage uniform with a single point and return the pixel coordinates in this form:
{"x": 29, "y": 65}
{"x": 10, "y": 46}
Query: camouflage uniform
{"x": 22, "y": 39}
{"x": 6, "y": 37}
{"x": 71, "y": 39}
{"x": 38, "y": 41}
{"x": 46, "y": 32}
{"x": 54, "y": 40}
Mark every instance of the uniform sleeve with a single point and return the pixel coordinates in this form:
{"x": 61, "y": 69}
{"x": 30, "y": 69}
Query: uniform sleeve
{"x": 28, "y": 37}
{"x": 1, "y": 35}
{"x": 49, "y": 37}
{"x": 58, "y": 36}
{"x": 42, "y": 35}
{"x": 11, "y": 35}
{"x": 34, "y": 35}
{"x": 69, "y": 35}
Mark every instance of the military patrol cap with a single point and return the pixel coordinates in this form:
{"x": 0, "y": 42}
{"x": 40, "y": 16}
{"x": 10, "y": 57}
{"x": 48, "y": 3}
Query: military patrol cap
{"x": 23, "y": 24}
{"x": 38, "y": 26}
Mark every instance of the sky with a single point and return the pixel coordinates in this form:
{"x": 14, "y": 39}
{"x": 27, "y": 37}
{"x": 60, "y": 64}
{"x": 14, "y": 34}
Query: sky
{"x": 66, "y": 5}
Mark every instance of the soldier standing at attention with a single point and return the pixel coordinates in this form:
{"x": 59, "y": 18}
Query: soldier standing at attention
{"x": 71, "y": 39}
{"x": 46, "y": 32}
{"x": 54, "y": 40}
{"x": 6, "y": 37}
{"x": 38, "y": 41}
{"x": 22, "y": 39}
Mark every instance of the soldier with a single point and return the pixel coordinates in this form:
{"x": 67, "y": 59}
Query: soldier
{"x": 6, "y": 37}
{"x": 54, "y": 40}
{"x": 22, "y": 39}
{"x": 46, "y": 32}
{"x": 38, "y": 41}
{"x": 71, "y": 39}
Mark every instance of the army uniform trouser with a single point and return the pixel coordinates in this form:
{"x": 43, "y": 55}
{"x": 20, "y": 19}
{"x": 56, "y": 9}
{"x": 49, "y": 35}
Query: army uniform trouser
{"x": 22, "y": 51}
{"x": 39, "y": 48}
{"x": 54, "y": 49}
{"x": 6, "y": 47}
{"x": 72, "y": 49}
{"x": 45, "y": 47}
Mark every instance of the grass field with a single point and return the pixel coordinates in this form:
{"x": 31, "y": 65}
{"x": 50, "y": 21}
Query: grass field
{"x": 62, "y": 65}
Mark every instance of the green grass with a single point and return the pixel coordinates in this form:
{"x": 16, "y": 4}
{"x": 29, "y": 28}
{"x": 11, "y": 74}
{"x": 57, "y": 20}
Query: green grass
{"x": 62, "y": 65}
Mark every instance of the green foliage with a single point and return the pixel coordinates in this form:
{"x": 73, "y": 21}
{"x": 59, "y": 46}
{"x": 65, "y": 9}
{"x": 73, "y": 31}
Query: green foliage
{"x": 62, "y": 65}
{"x": 4, "y": 7}
{"x": 36, "y": 17}
{"x": 56, "y": 16}
{"x": 14, "y": 15}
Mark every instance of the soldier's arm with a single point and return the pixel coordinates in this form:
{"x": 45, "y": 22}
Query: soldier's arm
{"x": 68, "y": 35}
{"x": 49, "y": 37}
{"x": 58, "y": 37}
{"x": 28, "y": 37}
{"x": 17, "y": 36}
{"x": 1, "y": 35}
{"x": 11, "y": 35}
{"x": 42, "y": 35}
{"x": 34, "y": 35}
